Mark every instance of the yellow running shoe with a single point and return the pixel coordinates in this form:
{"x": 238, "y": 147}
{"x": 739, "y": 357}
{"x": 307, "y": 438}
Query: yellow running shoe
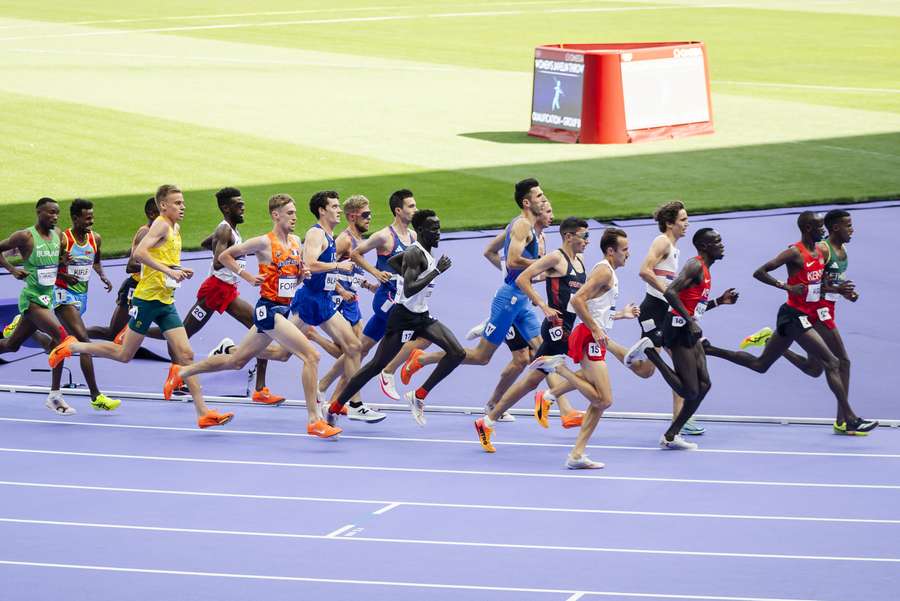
{"x": 11, "y": 326}
{"x": 759, "y": 338}
{"x": 104, "y": 403}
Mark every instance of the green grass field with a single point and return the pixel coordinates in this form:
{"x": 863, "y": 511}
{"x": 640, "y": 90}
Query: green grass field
{"x": 106, "y": 103}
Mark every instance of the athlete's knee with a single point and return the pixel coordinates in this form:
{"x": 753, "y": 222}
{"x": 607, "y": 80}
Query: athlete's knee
{"x": 831, "y": 363}
{"x": 457, "y": 353}
{"x": 519, "y": 362}
{"x": 691, "y": 393}
{"x": 183, "y": 356}
{"x": 600, "y": 401}
{"x": 845, "y": 363}
{"x": 352, "y": 346}
{"x": 311, "y": 358}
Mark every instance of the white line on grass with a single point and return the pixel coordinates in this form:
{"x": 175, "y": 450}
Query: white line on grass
{"x": 449, "y": 543}
{"x": 388, "y": 505}
{"x": 425, "y": 585}
{"x": 555, "y": 445}
{"x": 418, "y": 470}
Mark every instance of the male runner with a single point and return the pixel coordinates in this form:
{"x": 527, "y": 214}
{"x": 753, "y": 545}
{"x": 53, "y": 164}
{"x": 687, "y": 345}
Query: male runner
{"x": 688, "y": 297}
{"x": 409, "y": 319}
{"x": 280, "y": 271}
{"x": 805, "y": 265}
{"x": 154, "y": 301}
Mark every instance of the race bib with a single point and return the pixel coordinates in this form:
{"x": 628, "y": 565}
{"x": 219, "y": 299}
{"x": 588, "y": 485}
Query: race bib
{"x": 510, "y": 333}
{"x": 824, "y": 313}
{"x": 59, "y": 295}
{"x": 594, "y": 351}
{"x": 556, "y": 334}
{"x": 331, "y": 280}
{"x": 832, "y": 296}
{"x": 407, "y": 335}
{"x": 813, "y": 292}
{"x": 489, "y": 329}
{"x": 678, "y": 321}
{"x": 336, "y": 299}
{"x": 241, "y": 263}
{"x": 198, "y": 313}
{"x": 82, "y": 272}
{"x": 357, "y": 280}
{"x": 804, "y": 321}
{"x": 130, "y": 294}
{"x": 132, "y": 312}
{"x": 261, "y": 312}
{"x": 700, "y": 309}
{"x": 46, "y": 276}
{"x": 386, "y": 305}
{"x": 648, "y": 325}
{"x": 287, "y": 285}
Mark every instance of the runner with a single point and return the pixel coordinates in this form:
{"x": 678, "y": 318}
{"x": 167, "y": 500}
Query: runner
{"x": 280, "y": 271}
{"x": 409, "y": 319}
{"x": 159, "y": 253}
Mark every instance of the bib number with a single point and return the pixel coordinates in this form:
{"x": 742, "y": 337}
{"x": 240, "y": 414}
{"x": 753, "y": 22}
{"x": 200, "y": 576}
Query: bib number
{"x": 261, "y": 312}
{"x": 59, "y": 295}
{"x": 357, "y": 281}
{"x": 511, "y": 333}
{"x": 331, "y": 280}
{"x": 337, "y": 300}
{"x": 813, "y": 293}
{"x": 46, "y": 276}
{"x": 132, "y": 312}
{"x": 700, "y": 309}
{"x": 594, "y": 351}
{"x": 804, "y": 321}
{"x": 678, "y": 321}
{"x": 82, "y": 272}
{"x": 556, "y": 334}
{"x": 407, "y": 335}
{"x": 287, "y": 285}
{"x": 130, "y": 294}
{"x": 386, "y": 305}
{"x": 824, "y": 313}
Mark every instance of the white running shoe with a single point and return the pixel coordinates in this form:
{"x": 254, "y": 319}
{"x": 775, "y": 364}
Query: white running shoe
{"x": 477, "y": 331}
{"x": 583, "y": 463}
{"x": 388, "y": 387}
{"x": 677, "y": 444}
{"x": 505, "y": 417}
{"x": 416, "y": 406}
{"x": 58, "y": 405}
{"x": 638, "y": 351}
{"x": 364, "y": 413}
{"x": 548, "y": 363}
{"x": 222, "y": 348}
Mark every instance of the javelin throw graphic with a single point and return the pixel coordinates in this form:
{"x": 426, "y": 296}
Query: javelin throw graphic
{"x": 558, "y": 92}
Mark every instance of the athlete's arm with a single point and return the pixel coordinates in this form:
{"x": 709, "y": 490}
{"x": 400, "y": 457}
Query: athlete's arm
{"x": 228, "y": 258}
{"x": 597, "y": 284}
{"x": 133, "y": 266}
{"x": 518, "y": 238}
{"x": 98, "y": 267}
{"x": 786, "y": 257}
{"x": 356, "y": 255}
{"x": 63, "y": 259}
{"x": 541, "y": 266}
{"x": 690, "y": 275}
{"x": 313, "y": 246}
{"x": 218, "y": 242}
{"x": 20, "y": 241}
{"x": 658, "y": 251}
{"x": 729, "y": 297}
{"x": 154, "y": 237}
{"x": 414, "y": 263}
{"x": 492, "y": 250}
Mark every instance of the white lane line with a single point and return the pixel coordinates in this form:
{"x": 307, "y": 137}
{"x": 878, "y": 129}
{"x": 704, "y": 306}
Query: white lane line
{"x": 576, "y": 596}
{"x": 339, "y": 531}
{"x": 388, "y": 505}
{"x": 426, "y": 585}
{"x": 555, "y": 445}
{"x": 419, "y": 470}
{"x": 449, "y": 543}
{"x": 799, "y": 86}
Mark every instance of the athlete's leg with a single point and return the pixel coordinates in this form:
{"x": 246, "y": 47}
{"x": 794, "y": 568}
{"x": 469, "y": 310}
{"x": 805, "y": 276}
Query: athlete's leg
{"x": 642, "y": 368}
{"x": 835, "y": 344}
{"x": 815, "y": 347}
{"x": 480, "y": 355}
{"x": 327, "y": 345}
{"x": 182, "y": 354}
{"x": 290, "y": 337}
{"x": 250, "y": 346}
{"x": 517, "y": 364}
{"x": 25, "y": 329}
{"x": 341, "y": 332}
{"x": 690, "y": 371}
{"x": 117, "y": 321}
{"x": 389, "y": 346}
{"x": 808, "y": 365}
{"x": 774, "y": 349}
{"x": 70, "y": 318}
{"x": 395, "y": 363}
{"x": 197, "y": 317}
{"x": 683, "y": 379}
{"x": 514, "y": 394}
{"x": 242, "y": 311}
{"x": 123, "y": 353}
{"x": 596, "y": 374}
{"x": 454, "y": 354}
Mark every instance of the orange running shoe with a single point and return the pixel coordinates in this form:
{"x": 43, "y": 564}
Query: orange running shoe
{"x": 572, "y": 420}
{"x": 173, "y": 382}
{"x": 120, "y": 337}
{"x": 411, "y": 366}
{"x": 214, "y": 418}
{"x": 484, "y": 436}
{"x": 322, "y": 429}
{"x": 61, "y": 352}
{"x": 542, "y": 409}
{"x": 264, "y": 397}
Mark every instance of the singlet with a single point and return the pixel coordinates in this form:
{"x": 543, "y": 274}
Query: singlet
{"x": 603, "y": 307}
{"x": 353, "y": 280}
{"x": 835, "y": 269}
{"x": 561, "y": 289}
{"x": 324, "y": 281}
{"x": 418, "y": 303}
{"x": 694, "y": 298}
{"x": 811, "y": 277}
{"x": 155, "y": 285}
{"x": 529, "y": 252}
{"x": 223, "y": 273}
{"x": 43, "y": 263}
{"x": 665, "y": 272}
{"x": 80, "y": 261}
{"x": 382, "y": 263}
{"x": 282, "y": 273}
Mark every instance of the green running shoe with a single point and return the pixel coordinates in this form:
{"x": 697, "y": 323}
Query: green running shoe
{"x": 759, "y": 338}
{"x": 104, "y": 403}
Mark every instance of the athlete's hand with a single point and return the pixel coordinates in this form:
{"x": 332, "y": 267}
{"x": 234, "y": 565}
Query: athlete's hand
{"x": 18, "y": 273}
{"x": 369, "y": 286}
{"x": 729, "y": 297}
{"x": 631, "y": 311}
{"x": 254, "y": 279}
{"x": 600, "y": 336}
{"x": 106, "y": 283}
{"x": 444, "y": 263}
{"x": 854, "y": 296}
{"x": 345, "y": 266}
{"x": 304, "y": 272}
{"x": 178, "y": 274}
{"x": 549, "y": 312}
{"x": 68, "y": 278}
{"x": 796, "y": 289}
{"x": 846, "y": 288}
{"x": 384, "y": 276}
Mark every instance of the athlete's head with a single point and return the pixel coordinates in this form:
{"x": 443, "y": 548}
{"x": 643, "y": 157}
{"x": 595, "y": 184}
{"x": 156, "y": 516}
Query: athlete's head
{"x": 529, "y": 196}
{"x": 708, "y": 241}
{"x": 672, "y": 216}
{"x": 546, "y": 218}
{"x": 231, "y": 204}
{"x": 356, "y": 208}
{"x": 811, "y": 224}
{"x": 574, "y": 233}
{"x": 151, "y": 209}
{"x": 614, "y": 246}
{"x": 326, "y": 207}
{"x": 170, "y": 200}
{"x": 428, "y": 227}
{"x": 402, "y": 205}
{"x": 82, "y": 213}
{"x": 839, "y": 225}
{"x": 283, "y": 212}
{"x": 47, "y": 211}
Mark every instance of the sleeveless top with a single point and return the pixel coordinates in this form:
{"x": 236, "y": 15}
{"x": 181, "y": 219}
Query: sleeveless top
{"x": 694, "y": 298}
{"x": 530, "y": 251}
{"x": 351, "y": 281}
{"x": 603, "y": 307}
{"x": 665, "y": 272}
{"x": 223, "y": 273}
{"x": 381, "y": 262}
{"x": 324, "y": 281}
{"x": 43, "y": 262}
{"x": 811, "y": 277}
{"x": 282, "y": 273}
{"x": 80, "y": 261}
{"x": 835, "y": 268}
{"x": 560, "y": 290}
{"x": 155, "y": 285}
{"x": 418, "y": 302}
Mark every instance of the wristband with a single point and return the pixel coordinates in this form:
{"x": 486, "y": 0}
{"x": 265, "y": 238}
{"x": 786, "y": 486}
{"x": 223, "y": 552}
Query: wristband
{"x": 712, "y": 304}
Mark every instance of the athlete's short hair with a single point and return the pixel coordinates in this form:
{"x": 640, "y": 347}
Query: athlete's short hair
{"x": 78, "y": 205}
{"x": 805, "y": 218}
{"x": 42, "y": 201}
{"x": 355, "y": 203}
{"x": 523, "y": 188}
{"x": 151, "y": 209}
{"x": 163, "y": 192}
{"x": 702, "y": 236}
{"x": 277, "y": 201}
{"x": 610, "y": 238}
{"x": 420, "y": 217}
{"x": 319, "y": 200}
{"x": 833, "y": 216}
{"x": 224, "y": 196}
{"x": 667, "y": 213}
{"x": 570, "y": 225}
{"x": 396, "y": 200}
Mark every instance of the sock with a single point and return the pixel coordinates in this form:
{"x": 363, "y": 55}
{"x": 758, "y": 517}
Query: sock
{"x": 63, "y": 334}
{"x": 488, "y": 422}
{"x": 356, "y": 404}
{"x": 421, "y": 393}
{"x": 549, "y": 396}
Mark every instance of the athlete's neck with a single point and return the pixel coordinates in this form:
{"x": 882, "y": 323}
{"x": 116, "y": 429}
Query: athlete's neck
{"x": 353, "y": 232}
{"x": 329, "y": 228}
{"x": 42, "y": 229}
{"x": 835, "y": 243}
{"x": 79, "y": 234}
{"x": 170, "y": 221}
{"x": 282, "y": 233}
{"x": 400, "y": 226}
{"x": 232, "y": 222}
{"x": 810, "y": 243}
{"x": 568, "y": 251}
{"x": 707, "y": 260}
{"x": 529, "y": 216}
{"x": 670, "y": 234}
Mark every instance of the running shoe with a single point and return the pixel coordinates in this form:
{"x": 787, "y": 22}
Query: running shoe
{"x": 173, "y": 381}
{"x": 11, "y": 326}
{"x": 416, "y": 406}
{"x": 583, "y": 463}
{"x": 61, "y": 352}
{"x": 572, "y": 420}
{"x": 542, "y": 409}
{"x": 692, "y": 428}
{"x": 222, "y": 348}
{"x": 364, "y": 413}
{"x": 477, "y": 331}
{"x": 759, "y": 338}
{"x": 411, "y": 366}
{"x": 506, "y": 416}
{"x": 214, "y": 418}
{"x": 484, "y": 436}
{"x": 264, "y": 397}
{"x": 677, "y": 444}
{"x": 859, "y": 427}
{"x": 322, "y": 429}
{"x": 104, "y": 403}
{"x": 637, "y": 352}
{"x": 388, "y": 387}
{"x": 548, "y": 363}
{"x": 120, "y": 337}
{"x": 58, "y": 405}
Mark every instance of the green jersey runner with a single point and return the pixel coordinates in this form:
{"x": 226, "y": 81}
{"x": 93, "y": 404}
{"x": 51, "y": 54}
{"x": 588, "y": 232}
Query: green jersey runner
{"x": 41, "y": 265}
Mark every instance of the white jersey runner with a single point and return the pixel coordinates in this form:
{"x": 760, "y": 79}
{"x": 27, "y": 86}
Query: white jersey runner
{"x": 417, "y": 303}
